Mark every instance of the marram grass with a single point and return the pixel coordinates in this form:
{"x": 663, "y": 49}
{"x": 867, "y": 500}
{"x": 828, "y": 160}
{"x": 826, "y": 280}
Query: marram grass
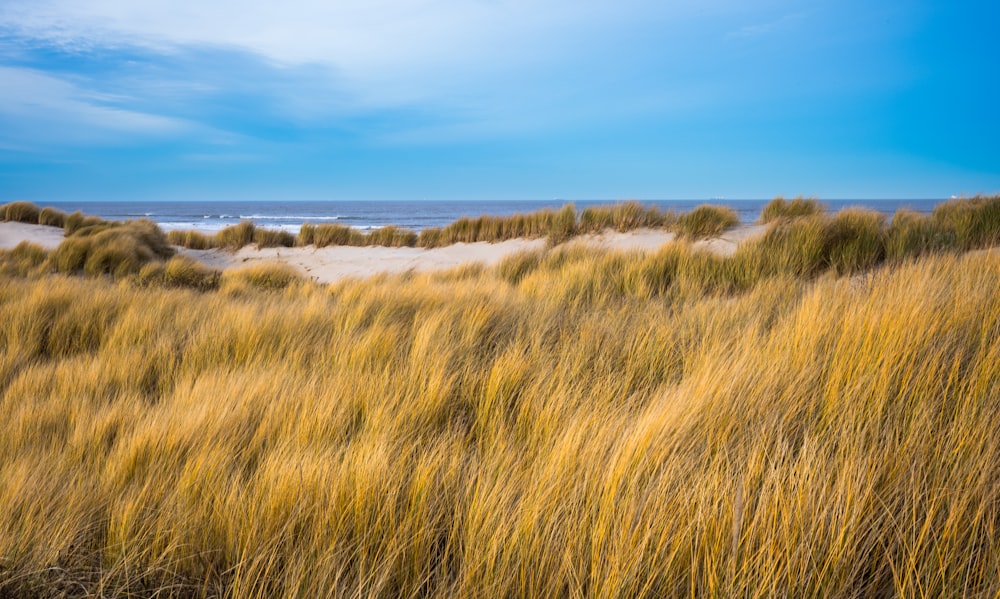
{"x": 571, "y": 423}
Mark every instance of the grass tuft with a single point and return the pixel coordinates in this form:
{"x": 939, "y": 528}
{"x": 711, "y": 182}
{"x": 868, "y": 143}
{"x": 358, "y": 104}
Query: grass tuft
{"x": 77, "y": 221}
{"x": 22, "y": 260}
{"x": 236, "y": 236}
{"x": 975, "y": 222}
{"x": 269, "y": 238}
{"x": 266, "y": 276}
{"x": 52, "y": 217}
{"x": 180, "y": 271}
{"x": 706, "y": 221}
{"x": 117, "y": 249}
{"x": 781, "y": 208}
{"x": 22, "y": 212}
{"x": 624, "y": 216}
{"x": 192, "y": 240}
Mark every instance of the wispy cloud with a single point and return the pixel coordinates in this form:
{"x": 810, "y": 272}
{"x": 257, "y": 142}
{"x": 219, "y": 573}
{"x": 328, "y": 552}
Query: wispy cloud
{"x": 761, "y": 29}
{"x": 38, "y": 108}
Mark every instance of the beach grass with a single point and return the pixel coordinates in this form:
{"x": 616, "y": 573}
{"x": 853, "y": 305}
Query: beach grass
{"x": 813, "y": 416}
{"x": 23, "y": 212}
{"x": 781, "y": 208}
{"x": 706, "y": 221}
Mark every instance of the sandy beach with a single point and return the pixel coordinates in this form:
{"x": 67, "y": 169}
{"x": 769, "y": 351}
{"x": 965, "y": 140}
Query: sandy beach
{"x": 333, "y": 263}
{"x": 12, "y": 233}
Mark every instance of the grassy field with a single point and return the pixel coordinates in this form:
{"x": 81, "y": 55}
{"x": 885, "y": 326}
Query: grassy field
{"x": 817, "y": 415}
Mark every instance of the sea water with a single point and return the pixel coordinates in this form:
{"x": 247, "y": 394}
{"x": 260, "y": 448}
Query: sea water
{"x": 210, "y": 217}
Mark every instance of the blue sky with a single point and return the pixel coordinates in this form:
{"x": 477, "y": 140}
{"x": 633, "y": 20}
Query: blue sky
{"x": 497, "y": 99}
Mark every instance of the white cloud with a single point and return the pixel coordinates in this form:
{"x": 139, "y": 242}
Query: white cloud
{"x": 475, "y": 68}
{"x": 39, "y": 108}
{"x": 389, "y": 50}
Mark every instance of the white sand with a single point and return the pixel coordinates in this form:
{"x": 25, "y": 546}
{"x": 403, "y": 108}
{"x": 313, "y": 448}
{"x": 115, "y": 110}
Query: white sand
{"x": 329, "y": 264}
{"x": 12, "y": 234}
{"x": 337, "y": 262}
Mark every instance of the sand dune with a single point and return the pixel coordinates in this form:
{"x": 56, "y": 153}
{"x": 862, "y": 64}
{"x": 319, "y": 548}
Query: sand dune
{"x": 12, "y": 234}
{"x": 332, "y": 263}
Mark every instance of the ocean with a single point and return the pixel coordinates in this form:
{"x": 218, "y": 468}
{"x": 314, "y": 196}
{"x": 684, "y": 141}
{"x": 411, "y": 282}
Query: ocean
{"x": 209, "y": 217}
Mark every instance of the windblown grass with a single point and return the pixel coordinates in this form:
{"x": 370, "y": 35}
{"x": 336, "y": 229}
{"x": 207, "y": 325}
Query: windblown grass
{"x": 706, "y": 221}
{"x": 52, "y": 217}
{"x": 118, "y": 249}
{"x": 24, "y": 259}
{"x": 624, "y": 216}
{"x": 556, "y": 226}
{"x": 570, "y": 423}
{"x": 193, "y": 240}
{"x": 23, "y": 212}
{"x": 77, "y": 221}
{"x": 975, "y": 222}
{"x": 236, "y": 236}
{"x": 180, "y": 271}
{"x": 267, "y": 276}
{"x": 781, "y": 208}
{"x": 559, "y": 225}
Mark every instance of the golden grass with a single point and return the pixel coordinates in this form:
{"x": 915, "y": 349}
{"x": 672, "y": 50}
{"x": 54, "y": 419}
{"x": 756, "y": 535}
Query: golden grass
{"x": 781, "y": 208}
{"x": 571, "y": 423}
{"x": 24, "y": 212}
{"x": 706, "y": 221}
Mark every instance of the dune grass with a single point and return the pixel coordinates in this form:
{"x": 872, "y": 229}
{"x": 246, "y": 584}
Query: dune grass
{"x": 109, "y": 248}
{"x": 572, "y": 422}
{"x": 52, "y": 217}
{"x": 706, "y": 221}
{"x": 193, "y": 240}
{"x": 624, "y": 216}
{"x": 23, "y": 212}
{"x": 781, "y": 208}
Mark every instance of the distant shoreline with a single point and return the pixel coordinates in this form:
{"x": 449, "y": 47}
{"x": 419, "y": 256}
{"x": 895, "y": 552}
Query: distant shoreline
{"x": 211, "y": 217}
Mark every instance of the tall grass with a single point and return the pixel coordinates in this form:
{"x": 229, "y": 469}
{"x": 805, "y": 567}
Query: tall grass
{"x": 781, "y": 208}
{"x": 706, "y": 221}
{"x": 194, "y": 240}
{"x": 52, "y": 217}
{"x": 560, "y": 224}
{"x": 624, "y": 216}
{"x": 572, "y": 422}
{"x": 236, "y": 236}
{"x": 118, "y": 249}
{"x": 24, "y": 212}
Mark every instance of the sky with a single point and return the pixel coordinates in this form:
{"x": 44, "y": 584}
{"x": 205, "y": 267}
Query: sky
{"x": 497, "y": 99}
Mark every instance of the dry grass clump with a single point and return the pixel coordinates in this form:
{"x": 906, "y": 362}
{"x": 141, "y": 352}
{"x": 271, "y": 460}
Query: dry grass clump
{"x": 77, "y": 221}
{"x": 52, "y": 217}
{"x": 328, "y": 234}
{"x": 706, "y": 221}
{"x": 781, "y": 208}
{"x": 22, "y": 212}
{"x": 111, "y": 248}
{"x": 391, "y": 236}
{"x": 266, "y": 276}
{"x": 23, "y": 260}
{"x": 975, "y": 222}
{"x": 180, "y": 271}
{"x": 236, "y": 236}
{"x": 192, "y": 240}
{"x": 624, "y": 216}
{"x": 850, "y": 241}
{"x": 557, "y": 225}
{"x": 269, "y": 238}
